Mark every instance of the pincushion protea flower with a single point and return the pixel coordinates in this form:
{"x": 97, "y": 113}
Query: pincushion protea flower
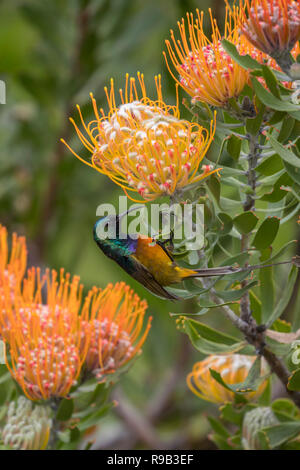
{"x": 254, "y": 421}
{"x": 27, "y": 427}
{"x": 44, "y": 336}
{"x": 273, "y": 26}
{"x": 13, "y": 260}
{"x": 143, "y": 145}
{"x": 205, "y": 71}
{"x": 233, "y": 368}
{"x": 114, "y": 329}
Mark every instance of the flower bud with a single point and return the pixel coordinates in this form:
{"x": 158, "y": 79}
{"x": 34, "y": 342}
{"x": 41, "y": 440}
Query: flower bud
{"x": 28, "y": 427}
{"x": 254, "y": 421}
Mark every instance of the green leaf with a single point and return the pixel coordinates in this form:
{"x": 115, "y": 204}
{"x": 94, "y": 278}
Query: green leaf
{"x": 65, "y": 409}
{"x": 294, "y": 381}
{"x": 277, "y": 193}
{"x": 218, "y": 427}
{"x": 221, "y": 442}
{"x": 284, "y": 153}
{"x": 226, "y": 222}
{"x": 271, "y": 81}
{"x": 255, "y": 305}
{"x": 286, "y": 129}
{"x": 235, "y": 294}
{"x": 234, "y": 145}
{"x": 245, "y": 222}
{"x": 266, "y": 233}
{"x": 212, "y": 346}
{"x": 250, "y": 384}
{"x": 293, "y": 172}
{"x": 285, "y": 296}
{"x": 211, "y": 334}
{"x": 282, "y": 326}
{"x": 233, "y": 414}
{"x": 94, "y": 418}
{"x": 278, "y": 434}
{"x": 270, "y": 100}
{"x": 214, "y": 186}
{"x": 266, "y": 287}
{"x": 270, "y": 165}
{"x": 244, "y": 61}
{"x": 285, "y": 406}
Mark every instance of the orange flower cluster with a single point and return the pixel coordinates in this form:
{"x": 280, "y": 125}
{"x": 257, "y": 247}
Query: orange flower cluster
{"x": 143, "y": 145}
{"x": 203, "y": 68}
{"x": 272, "y": 26}
{"x": 53, "y": 333}
{"x": 114, "y": 328}
{"x": 233, "y": 368}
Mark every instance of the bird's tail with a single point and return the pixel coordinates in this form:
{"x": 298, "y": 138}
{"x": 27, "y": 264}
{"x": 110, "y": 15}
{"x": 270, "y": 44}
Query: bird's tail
{"x": 222, "y": 270}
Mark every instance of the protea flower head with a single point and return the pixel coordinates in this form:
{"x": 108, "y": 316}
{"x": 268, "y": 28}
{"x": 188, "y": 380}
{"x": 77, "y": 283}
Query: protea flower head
{"x": 142, "y": 145}
{"x": 115, "y": 329}
{"x": 233, "y": 368}
{"x": 27, "y": 426}
{"x": 254, "y": 421}
{"x": 202, "y": 66}
{"x": 43, "y": 334}
{"x": 273, "y": 26}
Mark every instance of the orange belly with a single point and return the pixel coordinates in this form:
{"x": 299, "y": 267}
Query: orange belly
{"x": 156, "y": 260}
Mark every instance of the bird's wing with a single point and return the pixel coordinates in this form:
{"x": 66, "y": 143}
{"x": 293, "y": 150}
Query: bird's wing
{"x": 143, "y": 275}
{"x": 159, "y": 243}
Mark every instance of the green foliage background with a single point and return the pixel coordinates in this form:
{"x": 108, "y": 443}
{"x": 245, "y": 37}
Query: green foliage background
{"x": 53, "y": 53}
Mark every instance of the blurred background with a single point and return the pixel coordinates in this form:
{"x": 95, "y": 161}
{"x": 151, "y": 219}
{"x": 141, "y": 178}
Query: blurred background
{"x": 53, "y": 53}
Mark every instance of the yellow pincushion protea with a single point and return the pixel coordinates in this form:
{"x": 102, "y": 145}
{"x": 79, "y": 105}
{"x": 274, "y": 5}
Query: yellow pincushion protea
{"x": 273, "y": 26}
{"x": 143, "y": 145}
{"x": 202, "y": 66}
{"x": 114, "y": 328}
{"x": 233, "y": 368}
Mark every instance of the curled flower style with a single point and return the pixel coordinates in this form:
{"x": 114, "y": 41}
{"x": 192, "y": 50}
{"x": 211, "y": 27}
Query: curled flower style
{"x": 273, "y": 26}
{"x": 143, "y": 145}
{"x": 12, "y": 261}
{"x": 233, "y": 369}
{"x": 205, "y": 70}
{"x": 44, "y": 335}
{"x": 27, "y": 427}
{"x": 114, "y": 329}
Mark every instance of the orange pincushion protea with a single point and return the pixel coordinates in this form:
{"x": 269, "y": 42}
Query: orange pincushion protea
{"x": 233, "y": 368}
{"x": 13, "y": 263}
{"x": 44, "y": 337}
{"x": 273, "y": 26}
{"x": 143, "y": 145}
{"x": 114, "y": 329}
{"x": 205, "y": 70}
